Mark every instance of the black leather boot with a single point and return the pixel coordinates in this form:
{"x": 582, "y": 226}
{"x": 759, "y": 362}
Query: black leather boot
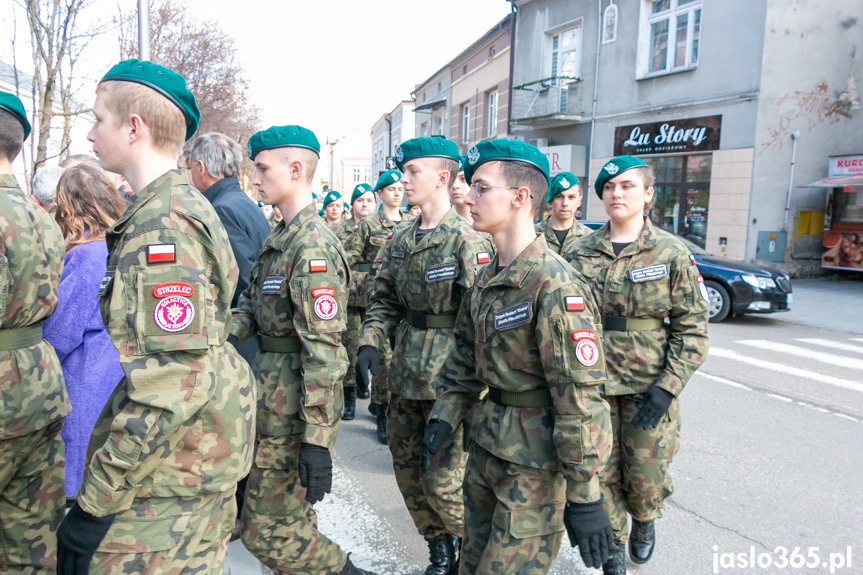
{"x": 382, "y": 422}
{"x": 642, "y": 541}
{"x": 351, "y": 569}
{"x": 441, "y": 555}
{"x": 616, "y": 564}
{"x": 350, "y": 403}
{"x": 373, "y": 408}
{"x": 364, "y": 394}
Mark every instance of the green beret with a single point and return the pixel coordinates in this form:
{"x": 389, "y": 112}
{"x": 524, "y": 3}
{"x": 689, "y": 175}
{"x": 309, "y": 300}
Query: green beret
{"x": 506, "y": 151}
{"x": 461, "y": 163}
{"x": 409, "y": 206}
{"x": 331, "y": 197}
{"x": 163, "y": 80}
{"x": 359, "y": 190}
{"x": 314, "y": 196}
{"x": 388, "y": 178}
{"x": 613, "y": 167}
{"x": 347, "y": 208}
{"x": 12, "y": 104}
{"x": 560, "y": 183}
{"x": 435, "y": 147}
{"x": 283, "y": 137}
{"x": 321, "y": 213}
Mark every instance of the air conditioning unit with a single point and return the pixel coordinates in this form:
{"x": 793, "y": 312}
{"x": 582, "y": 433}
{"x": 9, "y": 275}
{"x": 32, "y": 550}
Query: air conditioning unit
{"x": 539, "y": 142}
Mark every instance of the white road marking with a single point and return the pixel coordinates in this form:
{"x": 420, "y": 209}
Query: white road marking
{"x": 725, "y": 381}
{"x": 805, "y": 352}
{"x": 856, "y": 338}
{"x": 786, "y": 369}
{"x": 833, "y": 344}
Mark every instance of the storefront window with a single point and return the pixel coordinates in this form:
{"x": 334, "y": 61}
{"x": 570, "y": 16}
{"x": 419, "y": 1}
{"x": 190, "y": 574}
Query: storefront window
{"x": 681, "y": 195}
{"x": 849, "y": 206}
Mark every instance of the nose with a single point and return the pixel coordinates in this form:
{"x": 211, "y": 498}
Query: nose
{"x": 90, "y": 137}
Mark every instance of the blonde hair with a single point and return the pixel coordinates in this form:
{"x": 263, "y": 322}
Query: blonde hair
{"x": 308, "y": 158}
{"x": 165, "y": 120}
{"x": 87, "y": 205}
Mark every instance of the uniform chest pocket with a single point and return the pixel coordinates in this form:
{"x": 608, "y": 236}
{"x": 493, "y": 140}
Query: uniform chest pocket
{"x": 170, "y": 315}
{"x": 648, "y": 290}
{"x": 378, "y": 240}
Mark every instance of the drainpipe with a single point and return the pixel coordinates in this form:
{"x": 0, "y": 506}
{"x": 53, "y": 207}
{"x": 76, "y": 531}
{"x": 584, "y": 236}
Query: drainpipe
{"x": 511, "y": 64}
{"x": 595, "y": 93}
{"x": 794, "y": 136}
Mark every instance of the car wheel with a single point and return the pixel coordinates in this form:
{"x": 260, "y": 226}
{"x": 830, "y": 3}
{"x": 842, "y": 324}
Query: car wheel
{"x": 719, "y": 301}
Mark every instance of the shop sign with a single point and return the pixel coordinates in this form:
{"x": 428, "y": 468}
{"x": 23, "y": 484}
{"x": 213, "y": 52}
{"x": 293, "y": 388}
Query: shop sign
{"x": 674, "y": 136}
{"x": 845, "y": 166}
{"x": 566, "y": 158}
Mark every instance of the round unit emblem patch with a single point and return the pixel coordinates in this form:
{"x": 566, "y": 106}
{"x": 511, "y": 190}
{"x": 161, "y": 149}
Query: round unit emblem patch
{"x": 400, "y": 155}
{"x": 611, "y": 169}
{"x": 174, "y": 313}
{"x": 587, "y": 352}
{"x": 326, "y": 307}
{"x": 703, "y": 289}
{"x": 473, "y": 155}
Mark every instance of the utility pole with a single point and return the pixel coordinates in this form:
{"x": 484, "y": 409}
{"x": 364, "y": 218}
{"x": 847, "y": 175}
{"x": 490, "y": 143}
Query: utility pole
{"x": 143, "y": 30}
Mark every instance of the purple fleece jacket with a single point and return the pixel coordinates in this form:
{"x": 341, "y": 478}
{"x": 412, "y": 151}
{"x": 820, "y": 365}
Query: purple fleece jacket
{"x": 91, "y": 364}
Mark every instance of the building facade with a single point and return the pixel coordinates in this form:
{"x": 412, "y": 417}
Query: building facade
{"x": 432, "y": 97}
{"x": 714, "y": 95}
{"x": 387, "y": 133}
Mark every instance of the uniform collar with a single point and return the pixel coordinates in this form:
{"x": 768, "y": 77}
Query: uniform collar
{"x": 516, "y": 273}
{"x": 161, "y": 185}
{"x": 289, "y": 229}
{"x": 601, "y": 240}
{"x": 8, "y": 181}
{"x": 437, "y": 235}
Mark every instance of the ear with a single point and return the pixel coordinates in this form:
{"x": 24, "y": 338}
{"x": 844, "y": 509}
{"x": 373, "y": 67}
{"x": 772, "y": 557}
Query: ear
{"x": 648, "y": 195}
{"x": 522, "y": 198}
{"x": 443, "y": 179}
{"x": 137, "y": 127}
{"x": 297, "y": 169}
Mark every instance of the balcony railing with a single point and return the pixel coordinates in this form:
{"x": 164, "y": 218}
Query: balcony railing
{"x": 543, "y": 99}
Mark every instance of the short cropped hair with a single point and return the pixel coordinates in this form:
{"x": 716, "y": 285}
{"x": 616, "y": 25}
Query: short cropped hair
{"x": 165, "y": 120}
{"x": 221, "y": 155}
{"x": 11, "y": 135}
{"x": 451, "y": 166}
{"x": 307, "y": 157}
{"x": 45, "y": 182}
{"x": 518, "y": 174}
{"x": 647, "y": 175}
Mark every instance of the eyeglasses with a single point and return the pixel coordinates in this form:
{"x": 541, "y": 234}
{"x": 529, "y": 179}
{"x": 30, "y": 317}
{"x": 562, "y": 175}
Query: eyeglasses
{"x": 479, "y": 189}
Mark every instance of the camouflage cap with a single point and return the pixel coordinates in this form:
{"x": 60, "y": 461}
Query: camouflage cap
{"x": 388, "y": 178}
{"x": 614, "y": 167}
{"x": 12, "y": 104}
{"x": 560, "y": 183}
{"x": 359, "y": 190}
{"x": 163, "y": 80}
{"x": 504, "y": 150}
{"x": 331, "y": 197}
{"x": 283, "y": 137}
{"x": 431, "y": 147}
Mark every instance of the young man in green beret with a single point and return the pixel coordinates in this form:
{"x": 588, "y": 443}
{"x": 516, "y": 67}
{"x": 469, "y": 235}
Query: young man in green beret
{"x": 363, "y": 252}
{"x": 296, "y": 299}
{"x": 35, "y": 404}
{"x": 459, "y": 192}
{"x": 425, "y": 272}
{"x": 527, "y": 333}
{"x": 333, "y": 208}
{"x": 561, "y": 228}
{"x": 362, "y": 205}
{"x": 652, "y": 299}
{"x": 178, "y": 431}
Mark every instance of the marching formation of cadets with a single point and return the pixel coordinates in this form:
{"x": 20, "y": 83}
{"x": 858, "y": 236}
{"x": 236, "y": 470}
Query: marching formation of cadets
{"x": 524, "y": 378}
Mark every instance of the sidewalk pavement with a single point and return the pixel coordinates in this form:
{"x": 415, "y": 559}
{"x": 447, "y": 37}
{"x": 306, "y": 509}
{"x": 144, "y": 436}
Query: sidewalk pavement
{"x": 827, "y": 303}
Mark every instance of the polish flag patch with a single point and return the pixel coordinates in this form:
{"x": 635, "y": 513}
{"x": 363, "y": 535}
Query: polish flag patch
{"x": 692, "y": 258}
{"x": 389, "y": 235}
{"x": 161, "y": 253}
{"x": 482, "y": 258}
{"x": 574, "y": 303}
{"x": 317, "y": 265}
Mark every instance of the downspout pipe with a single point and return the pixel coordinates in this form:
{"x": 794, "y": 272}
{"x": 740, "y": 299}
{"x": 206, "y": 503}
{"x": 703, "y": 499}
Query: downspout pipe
{"x": 595, "y": 95}
{"x": 511, "y": 63}
{"x": 794, "y": 136}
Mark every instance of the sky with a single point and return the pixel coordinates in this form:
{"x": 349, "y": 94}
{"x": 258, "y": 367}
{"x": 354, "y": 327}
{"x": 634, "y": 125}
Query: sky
{"x": 331, "y": 65}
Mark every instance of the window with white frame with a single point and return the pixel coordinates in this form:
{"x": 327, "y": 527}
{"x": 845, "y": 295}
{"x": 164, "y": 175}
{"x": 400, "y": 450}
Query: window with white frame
{"x": 465, "y": 123}
{"x": 609, "y": 24}
{"x": 674, "y": 33}
{"x": 566, "y": 53}
{"x": 357, "y": 175}
{"x": 492, "y": 115}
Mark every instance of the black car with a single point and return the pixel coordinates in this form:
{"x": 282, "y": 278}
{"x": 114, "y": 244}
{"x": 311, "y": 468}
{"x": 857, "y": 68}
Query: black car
{"x": 736, "y": 287}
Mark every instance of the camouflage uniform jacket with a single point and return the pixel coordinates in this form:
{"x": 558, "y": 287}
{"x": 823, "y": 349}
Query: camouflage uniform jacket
{"x": 364, "y": 247}
{"x": 654, "y": 277}
{"x": 577, "y": 230}
{"x": 344, "y": 229}
{"x": 431, "y": 277}
{"x": 298, "y": 287}
{"x": 31, "y": 262}
{"x": 181, "y": 421}
{"x": 516, "y": 331}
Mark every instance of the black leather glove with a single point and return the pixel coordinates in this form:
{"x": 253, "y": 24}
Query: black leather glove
{"x": 367, "y": 360}
{"x": 77, "y": 539}
{"x": 653, "y": 405}
{"x": 466, "y": 424}
{"x": 437, "y": 434}
{"x": 233, "y": 340}
{"x": 588, "y": 527}
{"x": 316, "y": 471}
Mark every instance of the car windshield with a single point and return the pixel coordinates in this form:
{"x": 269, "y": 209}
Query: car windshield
{"x": 695, "y": 249}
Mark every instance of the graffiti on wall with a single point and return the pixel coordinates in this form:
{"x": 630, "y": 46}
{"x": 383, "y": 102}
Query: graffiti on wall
{"x": 814, "y": 107}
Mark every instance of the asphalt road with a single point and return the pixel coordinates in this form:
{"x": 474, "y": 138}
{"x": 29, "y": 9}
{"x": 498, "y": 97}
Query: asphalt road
{"x": 770, "y": 457}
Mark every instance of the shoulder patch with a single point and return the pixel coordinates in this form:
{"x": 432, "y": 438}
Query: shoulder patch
{"x": 325, "y": 305}
{"x": 173, "y": 288}
{"x": 318, "y": 292}
{"x": 174, "y": 313}
{"x": 389, "y": 234}
{"x": 584, "y": 334}
{"x": 702, "y": 288}
{"x": 482, "y": 258}
{"x": 161, "y": 253}
{"x": 692, "y": 258}
{"x": 586, "y": 352}
{"x": 317, "y": 265}
{"x": 574, "y": 303}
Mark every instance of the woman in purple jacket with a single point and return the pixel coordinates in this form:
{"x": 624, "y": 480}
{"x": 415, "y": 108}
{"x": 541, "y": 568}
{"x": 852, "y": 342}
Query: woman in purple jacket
{"x": 87, "y": 205}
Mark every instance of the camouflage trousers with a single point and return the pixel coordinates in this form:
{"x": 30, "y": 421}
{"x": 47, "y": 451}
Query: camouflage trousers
{"x": 380, "y": 382}
{"x": 435, "y": 502}
{"x": 168, "y": 535}
{"x": 513, "y": 516}
{"x": 636, "y": 478}
{"x": 278, "y": 526}
{"x": 351, "y": 341}
{"x": 32, "y": 500}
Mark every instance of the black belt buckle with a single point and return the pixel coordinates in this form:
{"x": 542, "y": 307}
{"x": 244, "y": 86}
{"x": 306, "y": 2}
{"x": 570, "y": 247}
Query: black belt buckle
{"x": 614, "y": 323}
{"x": 494, "y": 396}
{"x": 418, "y": 320}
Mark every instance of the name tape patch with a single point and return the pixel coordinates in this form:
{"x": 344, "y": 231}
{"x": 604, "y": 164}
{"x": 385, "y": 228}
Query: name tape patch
{"x": 273, "y": 284}
{"x": 173, "y": 288}
{"x": 586, "y": 352}
{"x": 512, "y": 316}
{"x": 161, "y": 253}
{"x": 174, "y": 313}
{"x": 441, "y": 272}
{"x": 396, "y": 253}
{"x": 317, "y": 265}
{"x": 650, "y": 273}
{"x": 574, "y": 303}
{"x": 103, "y": 285}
